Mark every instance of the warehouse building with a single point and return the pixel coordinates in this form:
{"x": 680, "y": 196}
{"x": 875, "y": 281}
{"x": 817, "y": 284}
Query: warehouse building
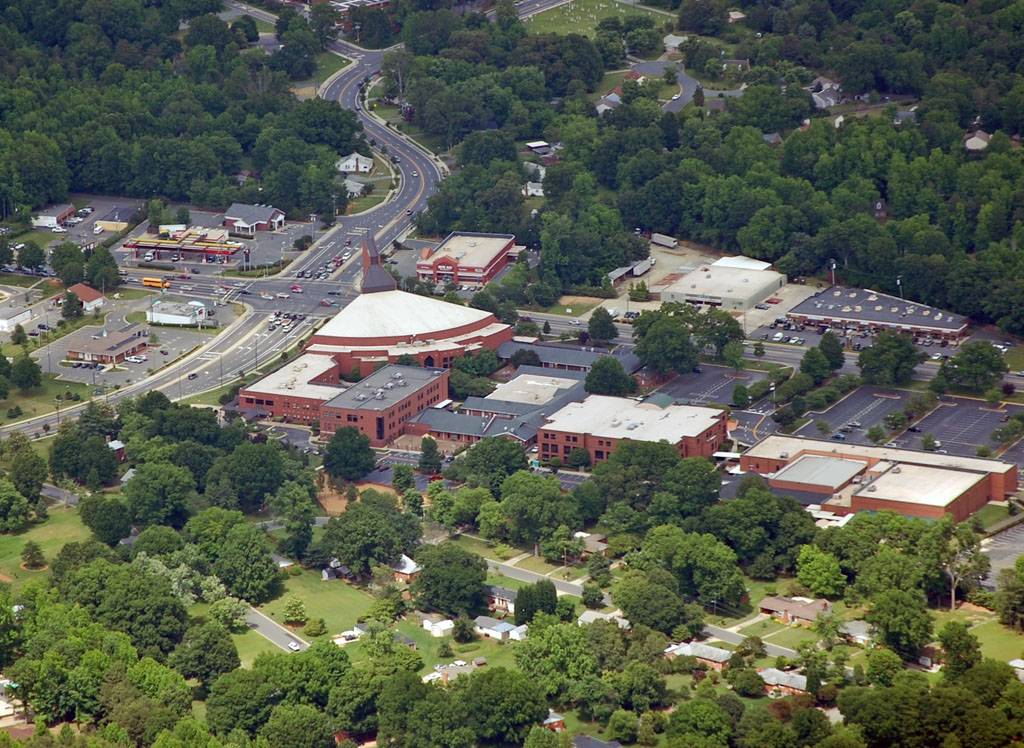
{"x": 732, "y": 284}
{"x": 117, "y": 219}
{"x": 863, "y": 310}
{"x": 466, "y": 258}
{"x": 851, "y": 478}
{"x": 52, "y": 217}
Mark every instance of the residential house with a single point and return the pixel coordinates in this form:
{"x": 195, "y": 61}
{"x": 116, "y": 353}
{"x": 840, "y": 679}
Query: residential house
{"x": 534, "y": 190}
{"x": 492, "y": 628}
{"x": 826, "y": 97}
{"x": 741, "y": 66}
{"x": 354, "y": 188}
{"x": 736, "y": 16}
{"x": 117, "y": 447}
{"x": 554, "y": 721}
{"x": 714, "y": 657}
{"x": 673, "y": 42}
{"x": 880, "y": 209}
{"x": 976, "y": 141}
{"x": 91, "y": 298}
{"x": 501, "y": 599}
{"x": 856, "y": 632}
{"x": 608, "y": 102}
{"x": 478, "y": 661}
{"x": 1018, "y": 668}
{"x": 281, "y": 561}
{"x": 248, "y": 219}
{"x": 713, "y": 106}
{"x": 585, "y": 741}
{"x": 354, "y": 163}
{"x": 798, "y": 610}
{"x": 129, "y": 474}
{"x": 589, "y": 616}
{"x": 406, "y": 641}
{"x": 905, "y": 115}
{"x": 406, "y": 570}
{"x": 772, "y": 138}
{"x": 593, "y": 544}
{"x": 783, "y": 683}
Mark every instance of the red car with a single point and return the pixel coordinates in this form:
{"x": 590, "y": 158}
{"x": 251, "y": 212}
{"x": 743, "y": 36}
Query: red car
{"x": 184, "y": 276}
{"x": 324, "y": 302}
{"x": 296, "y": 289}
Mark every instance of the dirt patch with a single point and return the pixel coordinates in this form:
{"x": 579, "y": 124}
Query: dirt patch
{"x": 24, "y": 568}
{"x": 581, "y": 301}
{"x": 330, "y": 498}
{"x": 5, "y": 578}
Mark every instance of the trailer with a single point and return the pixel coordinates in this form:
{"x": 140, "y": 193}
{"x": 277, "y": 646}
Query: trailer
{"x": 663, "y": 240}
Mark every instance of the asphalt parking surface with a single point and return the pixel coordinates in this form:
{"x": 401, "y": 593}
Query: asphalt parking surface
{"x": 1002, "y": 550}
{"x": 963, "y": 425}
{"x": 714, "y": 384}
{"x": 867, "y": 406}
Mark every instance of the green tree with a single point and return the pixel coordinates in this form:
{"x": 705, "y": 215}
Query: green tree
{"x": 961, "y": 647}
{"x": 245, "y": 566}
{"x": 832, "y": 349}
{"x": 19, "y": 336}
{"x": 824, "y": 427}
{"x": 895, "y": 420}
{"x": 819, "y": 571}
{"x": 740, "y": 395}
{"x": 451, "y": 580}
{"x": 749, "y": 684}
{"x": 601, "y": 326}
{"x": 32, "y": 555}
{"x": 607, "y": 377}
{"x": 14, "y": 509}
{"x": 430, "y": 456}
{"x": 732, "y": 353}
{"x": 876, "y": 434}
{"x": 593, "y": 597}
{"x": 902, "y": 622}
{"x": 759, "y": 349}
{"x": 890, "y": 360}
{"x": 816, "y": 365}
{"x": 622, "y": 726}
{"x": 957, "y": 550}
{"x": 295, "y": 610}
{"x": 402, "y": 479}
{"x": 206, "y": 652}
{"x": 883, "y": 665}
{"x": 298, "y": 726}
{"x": 348, "y": 455}
{"x": 72, "y": 308}
{"x": 977, "y": 366}
{"x": 108, "y": 517}
{"x": 27, "y": 473}
{"x": 158, "y": 494}
{"x": 928, "y": 442}
{"x": 502, "y": 705}
{"x": 26, "y": 374}
{"x": 666, "y": 346}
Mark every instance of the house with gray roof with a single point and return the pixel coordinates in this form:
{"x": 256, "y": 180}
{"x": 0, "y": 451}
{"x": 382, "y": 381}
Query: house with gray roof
{"x": 248, "y": 219}
{"x": 492, "y": 628}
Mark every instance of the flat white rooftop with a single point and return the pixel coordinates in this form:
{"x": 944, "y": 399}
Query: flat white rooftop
{"x": 744, "y": 263}
{"x": 919, "y": 484}
{"x": 821, "y": 471}
{"x": 621, "y": 418}
{"x": 470, "y": 250}
{"x": 389, "y": 314}
{"x": 774, "y": 447}
{"x": 725, "y": 282}
{"x": 531, "y": 388}
{"x": 292, "y": 379}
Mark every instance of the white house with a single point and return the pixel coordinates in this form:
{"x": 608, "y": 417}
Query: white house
{"x": 519, "y": 633}
{"x": 438, "y": 627}
{"x": 589, "y": 616}
{"x": 354, "y": 163}
{"x": 533, "y": 189}
{"x": 354, "y": 188}
{"x": 976, "y": 141}
{"x": 91, "y": 298}
{"x": 492, "y": 628}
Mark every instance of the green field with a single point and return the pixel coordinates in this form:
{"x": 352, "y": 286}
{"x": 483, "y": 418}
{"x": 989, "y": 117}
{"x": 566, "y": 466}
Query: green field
{"x": 359, "y": 204}
{"x": 63, "y": 526}
{"x": 582, "y": 17}
{"x": 250, "y": 644}
{"x": 16, "y": 279}
{"x": 264, "y": 27}
{"x": 999, "y": 642}
{"x": 41, "y": 237}
{"x": 338, "y": 603}
{"x": 990, "y": 514}
{"x": 40, "y": 400}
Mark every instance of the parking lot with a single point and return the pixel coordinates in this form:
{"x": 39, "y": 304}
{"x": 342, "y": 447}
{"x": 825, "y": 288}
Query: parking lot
{"x": 713, "y": 384}
{"x": 866, "y": 406}
{"x": 962, "y": 425}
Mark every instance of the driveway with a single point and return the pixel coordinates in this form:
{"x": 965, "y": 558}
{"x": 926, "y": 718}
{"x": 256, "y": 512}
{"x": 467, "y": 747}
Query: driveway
{"x": 273, "y": 631}
{"x": 731, "y": 637}
{"x": 687, "y": 83}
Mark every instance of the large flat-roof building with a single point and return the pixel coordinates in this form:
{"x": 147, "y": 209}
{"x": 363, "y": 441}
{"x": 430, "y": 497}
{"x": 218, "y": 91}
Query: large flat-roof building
{"x": 855, "y": 477}
{"x": 731, "y": 286}
{"x": 858, "y": 309}
{"x": 466, "y": 258}
{"x": 599, "y": 423}
{"x": 52, "y": 217}
{"x": 186, "y": 314}
{"x": 380, "y": 405}
{"x": 296, "y": 391}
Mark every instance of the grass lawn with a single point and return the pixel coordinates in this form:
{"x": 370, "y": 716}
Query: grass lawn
{"x": 131, "y": 294}
{"x": 40, "y": 237}
{"x": 961, "y": 615}
{"x": 251, "y": 644}
{"x": 264, "y": 27}
{"x": 40, "y": 400}
{"x": 63, "y": 526}
{"x": 338, "y": 603}
{"x": 479, "y": 547}
{"x": 575, "y": 310}
{"x": 328, "y": 64}
{"x": 360, "y": 204}
{"x": 16, "y": 279}
{"x": 582, "y": 17}
{"x": 790, "y": 637}
{"x": 607, "y": 83}
{"x": 761, "y": 628}
{"x": 989, "y": 514}
{"x": 536, "y": 564}
{"x": 209, "y": 398}
{"x": 502, "y": 581}
{"x": 999, "y": 642}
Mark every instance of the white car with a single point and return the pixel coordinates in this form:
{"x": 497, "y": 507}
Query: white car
{"x": 294, "y": 647}
{"x": 59, "y": 230}
{"x": 574, "y": 322}
{"x": 187, "y": 289}
{"x": 675, "y": 97}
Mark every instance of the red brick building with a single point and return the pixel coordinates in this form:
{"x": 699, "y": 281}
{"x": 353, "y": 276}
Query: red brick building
{"x": 380, "y": 405}
{"x": 466, "y": 258}
{"x": 296, "y": 391}
{"x": 599, "y": 423}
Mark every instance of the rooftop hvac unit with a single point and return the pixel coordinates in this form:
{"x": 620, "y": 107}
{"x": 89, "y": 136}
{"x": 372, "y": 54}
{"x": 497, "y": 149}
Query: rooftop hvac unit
{"x": 402, "y": 383}
{"x": 784, "y": 455}
{"x": 397, "y": 375}
{"x": 631, "y": 426}
{"x": 616, "y": 422}
{"x": 378, "y": 396}
{"x": 360, "y": 396}
{"x": 837, "y": 293}
{"x": 389, "y": 386}
{"x": 872, "y": 488}
{"x": 744, "y": 280}
{"x": 896, "y": 469}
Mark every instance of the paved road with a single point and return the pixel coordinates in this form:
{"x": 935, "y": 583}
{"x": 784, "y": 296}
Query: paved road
{"x": 733, "y": 638}
{"x": 273, "y": 631}
{"x": 512, "y": 572}
{"x": 687, "y": 84}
